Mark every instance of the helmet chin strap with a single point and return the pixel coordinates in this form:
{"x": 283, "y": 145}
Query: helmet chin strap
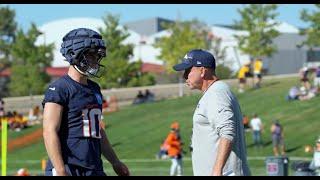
{"x": 81, "y": 72}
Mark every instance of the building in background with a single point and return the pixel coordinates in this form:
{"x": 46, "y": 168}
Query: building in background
{"x": 289, "y": 58}
{"x": 148, "y": 27}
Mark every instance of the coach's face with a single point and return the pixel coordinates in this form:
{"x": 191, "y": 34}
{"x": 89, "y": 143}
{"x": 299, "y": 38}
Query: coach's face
{"x": 318, "y": 146}
{"x": 194, "y": 77}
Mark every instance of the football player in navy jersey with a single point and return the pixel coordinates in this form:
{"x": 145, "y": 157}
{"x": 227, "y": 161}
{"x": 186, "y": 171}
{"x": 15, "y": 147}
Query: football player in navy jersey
{"x": 72, "y": 105}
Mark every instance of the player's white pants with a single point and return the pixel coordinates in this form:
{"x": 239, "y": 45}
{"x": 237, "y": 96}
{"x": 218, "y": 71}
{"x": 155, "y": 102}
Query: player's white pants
{"x": 176, "y": 165}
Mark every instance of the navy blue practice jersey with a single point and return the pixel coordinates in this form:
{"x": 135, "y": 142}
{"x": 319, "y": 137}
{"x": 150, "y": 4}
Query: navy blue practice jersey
{"x": 79, "y": 132}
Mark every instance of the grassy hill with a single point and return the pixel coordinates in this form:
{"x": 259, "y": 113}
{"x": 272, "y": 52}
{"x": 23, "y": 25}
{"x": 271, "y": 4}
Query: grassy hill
{"x": 137, "y": 131}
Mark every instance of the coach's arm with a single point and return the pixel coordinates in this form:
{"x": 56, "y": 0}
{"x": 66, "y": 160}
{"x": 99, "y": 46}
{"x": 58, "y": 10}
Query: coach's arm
{"x": 222, "y": 118}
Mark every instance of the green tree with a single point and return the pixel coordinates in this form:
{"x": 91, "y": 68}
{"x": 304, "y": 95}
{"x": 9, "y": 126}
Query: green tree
{"x": 313, "y": 31}
{"x": 29, "y": 63}
{"x": 223, "y": 72}
{"x": 220, "y": 54}
{"x": 120, "y": 72}
{"x": 218, "y": 51}
{"x": 259, "y": 21}
{"x": 184, "y": 36}
{"x": 137, "y": 78}
{"x": 7, "y": 35}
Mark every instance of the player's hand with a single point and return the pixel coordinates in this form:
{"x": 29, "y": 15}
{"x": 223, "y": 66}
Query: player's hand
{"x": 121, "y": 169}
{"x": 62, "y": 173}
{"x": 216, "y": 173}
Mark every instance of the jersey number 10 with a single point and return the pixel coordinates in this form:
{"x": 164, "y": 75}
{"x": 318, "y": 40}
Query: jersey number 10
{"x": 91, "y": 122}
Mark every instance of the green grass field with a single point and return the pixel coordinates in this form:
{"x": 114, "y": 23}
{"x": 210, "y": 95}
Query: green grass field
{"x": 16, "y": 134}
{"x": 137, "y": 131}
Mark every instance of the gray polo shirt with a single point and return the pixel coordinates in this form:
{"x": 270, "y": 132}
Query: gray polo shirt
{"x": 218, "y": 115}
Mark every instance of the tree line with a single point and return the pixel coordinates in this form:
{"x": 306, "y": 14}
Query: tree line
{"x": 28, "y": 60}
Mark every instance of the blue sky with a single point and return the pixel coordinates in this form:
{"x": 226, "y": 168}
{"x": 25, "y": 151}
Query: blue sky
{"x": 209, "y": 13}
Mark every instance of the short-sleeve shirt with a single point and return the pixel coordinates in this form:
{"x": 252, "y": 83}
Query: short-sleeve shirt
{"x": 218, "y": 115}
{"x": 243, "y": 71}
{"x": 256, "y": 124}
{"x": 258, "y": 66}
{"x": 79, "y": 132}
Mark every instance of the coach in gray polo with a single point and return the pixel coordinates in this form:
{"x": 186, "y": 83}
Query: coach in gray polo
{"x": 218, "y": 140}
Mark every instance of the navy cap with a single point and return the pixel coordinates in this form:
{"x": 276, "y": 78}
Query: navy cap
{"x": 197, "y": 58}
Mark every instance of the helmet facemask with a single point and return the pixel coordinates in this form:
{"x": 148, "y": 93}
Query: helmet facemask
{"x": 88, "y": 62}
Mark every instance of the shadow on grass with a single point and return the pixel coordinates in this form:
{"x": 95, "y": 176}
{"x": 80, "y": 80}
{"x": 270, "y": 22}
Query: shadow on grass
{"x": 271, "y": 84}
{"x": 116, "y": 144}
{"x": 264, "y": 85}
{"x": 293, "y": 149}
{"x": 267, "y": 143}
{"x": 264, "y": 144}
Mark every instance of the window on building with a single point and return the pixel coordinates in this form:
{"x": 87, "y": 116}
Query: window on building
{"x": 313, "y": 56}
{"x": 156, "y": 40}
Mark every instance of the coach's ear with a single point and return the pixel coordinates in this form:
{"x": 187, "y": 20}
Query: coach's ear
{"x": 203, "y": 72}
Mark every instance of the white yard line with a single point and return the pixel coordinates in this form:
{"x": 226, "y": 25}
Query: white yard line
{"x": 262, "y": 158}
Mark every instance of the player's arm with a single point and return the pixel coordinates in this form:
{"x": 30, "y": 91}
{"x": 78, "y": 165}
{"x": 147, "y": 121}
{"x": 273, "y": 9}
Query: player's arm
{"x": 52, "y": 116}
{"x": 110, "y": 155}
{"x": 106, "y": 149}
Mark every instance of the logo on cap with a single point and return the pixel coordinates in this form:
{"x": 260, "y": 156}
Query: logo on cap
{"x": 187, "y": 57}
{"x": 198, "y": 62}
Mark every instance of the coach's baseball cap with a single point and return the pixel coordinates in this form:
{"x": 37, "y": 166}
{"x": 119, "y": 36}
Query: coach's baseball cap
{"x": 197, "y": 58}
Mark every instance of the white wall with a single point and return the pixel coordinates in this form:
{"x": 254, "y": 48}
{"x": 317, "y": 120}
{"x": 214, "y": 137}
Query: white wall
{"x": 55, "y": 30}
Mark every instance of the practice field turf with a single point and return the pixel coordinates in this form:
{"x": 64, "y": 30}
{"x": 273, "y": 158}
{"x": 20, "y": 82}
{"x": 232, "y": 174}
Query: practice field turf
{"x": 137, "y": 131}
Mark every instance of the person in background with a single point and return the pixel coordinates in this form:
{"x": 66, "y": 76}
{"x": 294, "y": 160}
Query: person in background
{"x": 174, "y": 143}
{"x": 316, "y": 79}
{"x": 315, "y": 163}
{"x": 294, "y": 94}
{"x": 34, "y": 116}
{"x": 257, "y": 128}
{"x": 242, "y": 76}
{"x": 277, "y": 138}
{"x": 2, "y": 112}
{"x": 304, "y": 78}
{"x": 245, "y": 121}
{"x": 23, "y": 172}
{"x": 257, "y": 71}
{"x": 139, "y": 98}
{"x": 149, "y": 96}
